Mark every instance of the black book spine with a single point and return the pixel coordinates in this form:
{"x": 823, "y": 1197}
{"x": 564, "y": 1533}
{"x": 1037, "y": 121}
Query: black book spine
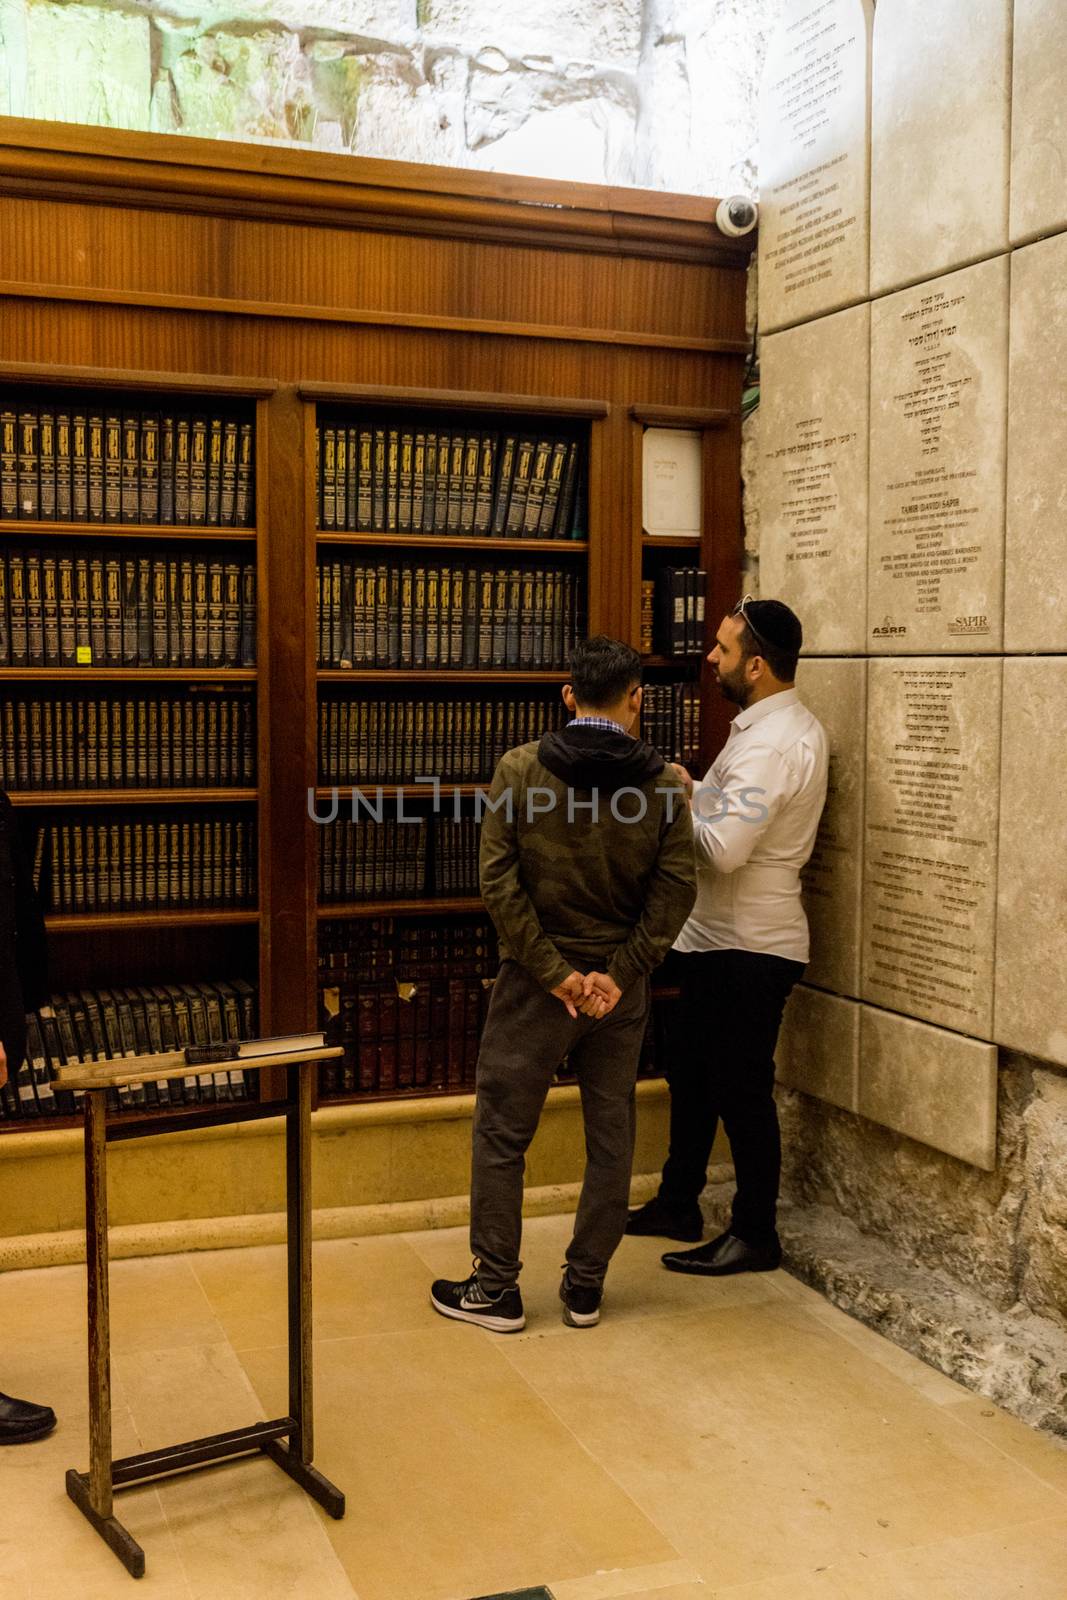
{"x": 483, "y": 504}
{"x": 418, "y": 482}
{"x": 9, "y": 464}
{"x": 248, "y": 615}
{"x": 245, "y": 505}
{"x": 34, "y": 610}
{"x": 7, "y": 746}
{"x": 198, "y": 472}
{"x": 47, "y": 451}
{"x": 97, "y": 612}
{"x": 535, "y": 497}
{"x": 185, "y": 612}
{"x": 50, "y": 608}
{"x": 378, "y": 482}
{"x": 130, "y": 498}
{"x": 159, "y": 612}
{"x": 87, "y": 469}
{"x": 568, "y": 489}
{"x": 149, "y": 488}
{"x": 352, "y": 471}
{"x": 404, "y": 484}
{"x": 182, "y": 470}
{"x": 228, "y": 473}
{"x": 365, "y": 482}
{"x": 520, "y": 486}
{"x": 67, "y": 628}
{"x": 429, "y": 482}
{"x": 28, "y": 467}
{"x": 215, "y": 614}
{"x": 112, "y": 467}
{"x": 392, "y": 475}
{"x": 231, "y": 627}
{"x": 64, "y": 450}
{"x": 456, "y": 454}
{"x": 129, "y": 611}
{"x": 328, "y": 475}
{"x": 166, "y": 467}
{"x": 469, "y": 495}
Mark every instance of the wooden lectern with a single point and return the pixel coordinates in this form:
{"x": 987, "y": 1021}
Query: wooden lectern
{"x": 92, "y": 1492}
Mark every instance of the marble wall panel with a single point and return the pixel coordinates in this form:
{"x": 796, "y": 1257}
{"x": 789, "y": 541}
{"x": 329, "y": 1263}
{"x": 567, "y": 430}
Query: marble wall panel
{"x": 1030, "y": 1011}
{"x": 815, "y": 386}
{"x": 836, "y": 691}
{"x": 940, "y": 137}
{"x": 814, "y": 155}
{"x": 818, "y": 1047}
{"x": 930, "y": 851}
{"x": 1039, "y": 119}
{"x": 1035, "y": 539}
{"x": 932, "y": 1085}
{"x": 939, "y": 370}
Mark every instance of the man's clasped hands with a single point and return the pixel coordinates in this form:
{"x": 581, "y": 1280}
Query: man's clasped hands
{"x": 593, "y": 994}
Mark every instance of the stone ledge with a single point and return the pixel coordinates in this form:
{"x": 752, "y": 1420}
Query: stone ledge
{"x": 1014, "y": 1358}
{"x": 336, "y": 1222}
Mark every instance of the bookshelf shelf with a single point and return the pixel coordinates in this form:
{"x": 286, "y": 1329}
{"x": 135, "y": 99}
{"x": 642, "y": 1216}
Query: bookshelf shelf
{"x": 112, "y": 921}
{"x": 128, "y": 675}
{"x": 445, "y": 541}
{"x": 29, "y": 529}
{"x": 111, "y": 797}
{"x": 449, "y": 675}
{"x": 670, "y": 541}
{"x": 426, "y": 906}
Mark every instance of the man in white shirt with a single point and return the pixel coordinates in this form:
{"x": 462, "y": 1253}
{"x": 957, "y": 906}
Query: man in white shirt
{"x": 744, "y": 946}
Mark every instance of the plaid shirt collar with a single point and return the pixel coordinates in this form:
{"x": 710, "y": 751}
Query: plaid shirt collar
{"x": 605, "y": 724}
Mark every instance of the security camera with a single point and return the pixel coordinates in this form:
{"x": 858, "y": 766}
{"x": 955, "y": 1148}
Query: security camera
{"x": 737, "y": 215}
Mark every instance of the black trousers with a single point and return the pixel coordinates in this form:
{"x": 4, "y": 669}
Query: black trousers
{"x": 721, "y": 1040}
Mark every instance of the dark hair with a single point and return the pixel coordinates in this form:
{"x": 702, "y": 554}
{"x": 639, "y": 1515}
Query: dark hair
{"x": 771, "y": 630}
{"x": 602, "y": 671}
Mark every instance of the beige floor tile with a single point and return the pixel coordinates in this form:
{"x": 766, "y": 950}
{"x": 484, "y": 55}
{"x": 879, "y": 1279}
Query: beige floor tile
{"x": 917, "y": 1374}
{"x": 460, "y": 1481}
{"x": 1026, "y": 1562}
{"x": 1037, "y": 1452}
{"x": 156, "y": 1304}
{"x": 372, "y": 1285}
{"x": 762, "y": 1442}
{"x": 637, "y": 1284}
{"x": 673, "y": 1580}
{"x": 174, "y": 1396}
{"x": 244, "y": 1531}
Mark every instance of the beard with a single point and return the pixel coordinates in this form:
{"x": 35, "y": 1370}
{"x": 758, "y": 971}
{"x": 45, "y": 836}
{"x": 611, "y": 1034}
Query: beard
{"x": 732, "y": 687}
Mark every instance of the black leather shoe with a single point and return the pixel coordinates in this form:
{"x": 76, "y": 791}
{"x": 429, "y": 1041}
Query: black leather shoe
{"x": 723, "y": 1256}
{"x": 657, "y": 1220}
{"x": 20, "y": 1421}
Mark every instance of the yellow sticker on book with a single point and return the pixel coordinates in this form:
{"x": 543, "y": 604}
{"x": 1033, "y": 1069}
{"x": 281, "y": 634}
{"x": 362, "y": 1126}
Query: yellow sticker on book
{"x": 84, "y": 655}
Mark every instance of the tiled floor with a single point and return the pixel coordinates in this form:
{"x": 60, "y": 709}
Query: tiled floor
{"x": 738, "y": 1438}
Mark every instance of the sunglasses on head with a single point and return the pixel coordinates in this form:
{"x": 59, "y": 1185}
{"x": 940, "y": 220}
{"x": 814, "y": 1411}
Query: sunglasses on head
{"x": 739, "y": 611}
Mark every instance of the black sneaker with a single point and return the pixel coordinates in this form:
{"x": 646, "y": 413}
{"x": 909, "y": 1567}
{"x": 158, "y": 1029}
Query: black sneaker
{"x": 581, "y": 1304}
{"x": 656, "y": 1219}
{"x": 467, "y": 1301}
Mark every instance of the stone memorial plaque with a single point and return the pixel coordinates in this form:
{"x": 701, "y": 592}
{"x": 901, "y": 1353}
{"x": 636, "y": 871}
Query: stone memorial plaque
{"x": 814, "y": 149}
{"x": 1035, "y": 539}
{"x": 939, "y": 368}
{"x": 1039, "y": 119}
{"x": 940, "y": 118}
{"x": 1030, "y": 1011}
{"x": 815, "y": 383}
{"x": 836, "y": 691}
{"x": 934, "y": 1086}
{"x": 818, "y": 1047}
{"x": 930, "y": 852}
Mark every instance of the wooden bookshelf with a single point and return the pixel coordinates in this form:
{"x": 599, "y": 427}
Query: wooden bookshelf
{"x": 501, "y": 300}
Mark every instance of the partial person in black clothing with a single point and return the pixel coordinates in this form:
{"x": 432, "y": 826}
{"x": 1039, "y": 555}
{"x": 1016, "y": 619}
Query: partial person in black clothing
{"x": 23, "y": 987}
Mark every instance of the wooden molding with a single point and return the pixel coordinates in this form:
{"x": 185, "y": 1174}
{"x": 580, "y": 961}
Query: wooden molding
{"x": 111, "y": 166}
{"x": 655, "y": 416}
{"x": 452, "y": 399}
{"x": 129, "y": 377}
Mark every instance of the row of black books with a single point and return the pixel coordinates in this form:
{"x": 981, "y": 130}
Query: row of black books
{"x": 400, "y": 614}
{"x": 86, "y": 1025}
{"x": 95, "y": 461}
{"x": 380, "y": 478}
{"x": 670, "y": 720}
{"x": 144, "y": 862}
{"x": 680, "y": 595}
{"x": 398, "y": 740}
{"x": 371, "y": 949}
{"x": 392, "y": 858}
{"x": 203, "y": 738}
{"x": 114, "y": 607}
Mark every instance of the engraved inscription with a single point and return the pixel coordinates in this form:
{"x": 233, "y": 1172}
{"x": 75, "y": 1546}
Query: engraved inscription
{"x": 930, "y": 861}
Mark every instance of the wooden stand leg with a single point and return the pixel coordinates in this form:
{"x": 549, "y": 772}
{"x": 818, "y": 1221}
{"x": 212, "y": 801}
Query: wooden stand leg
{"x": 295, "y": 1459}
{"x": 92, "y": 1493}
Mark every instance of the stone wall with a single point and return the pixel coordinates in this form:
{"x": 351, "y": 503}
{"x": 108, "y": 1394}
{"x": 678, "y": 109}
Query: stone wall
{"x": 905, "y": 489}
{"x": 659, "y": 93}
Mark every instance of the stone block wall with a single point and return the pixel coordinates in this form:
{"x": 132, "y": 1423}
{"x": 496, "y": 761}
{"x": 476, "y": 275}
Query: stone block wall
{"x": 658, "y": 93}
{"x": 936, "y": 1121}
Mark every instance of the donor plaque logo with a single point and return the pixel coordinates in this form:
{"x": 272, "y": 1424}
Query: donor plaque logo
{"x": 888, "y": 629}
{"x": 977, "y": 624}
